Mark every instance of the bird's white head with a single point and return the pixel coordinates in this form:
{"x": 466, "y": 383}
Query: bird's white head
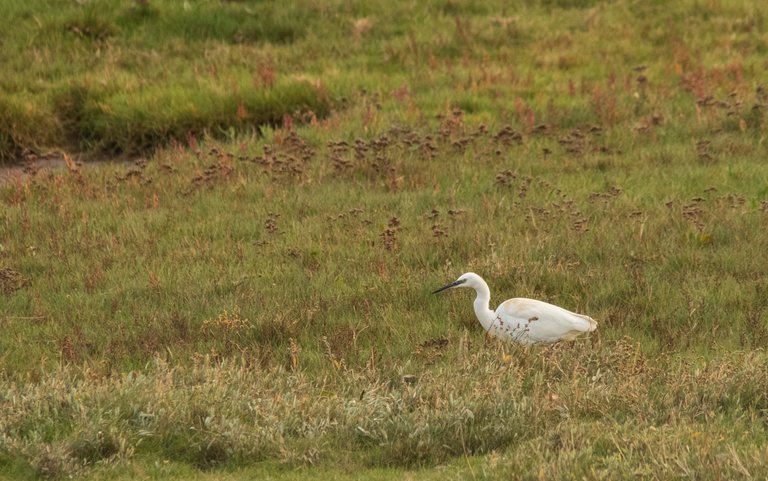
{"x": 469, "y": 279}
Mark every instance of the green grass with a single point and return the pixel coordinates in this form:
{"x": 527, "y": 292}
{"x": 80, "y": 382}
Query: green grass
{"x": 250, "y": 297}
{"x": 114, "y": 77}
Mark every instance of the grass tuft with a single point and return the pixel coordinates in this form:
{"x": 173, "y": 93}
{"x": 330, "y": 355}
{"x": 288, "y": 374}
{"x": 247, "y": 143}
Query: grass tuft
{"x": 25, "y": 127}
{"x": 119, "y": 122}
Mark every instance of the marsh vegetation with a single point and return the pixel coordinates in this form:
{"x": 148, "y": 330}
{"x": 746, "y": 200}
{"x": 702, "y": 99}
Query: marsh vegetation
{"x": 248, "y": 293}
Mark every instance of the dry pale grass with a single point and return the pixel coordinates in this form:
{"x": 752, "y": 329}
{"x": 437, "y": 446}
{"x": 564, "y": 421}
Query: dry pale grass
{"x": 553, "y": 410}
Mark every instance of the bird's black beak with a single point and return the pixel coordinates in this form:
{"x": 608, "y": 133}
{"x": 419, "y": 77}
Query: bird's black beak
{"x": 452, "y": 284}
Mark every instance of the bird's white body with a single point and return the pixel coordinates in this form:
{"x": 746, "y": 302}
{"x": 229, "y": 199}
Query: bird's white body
{"x": 526, "y": 321}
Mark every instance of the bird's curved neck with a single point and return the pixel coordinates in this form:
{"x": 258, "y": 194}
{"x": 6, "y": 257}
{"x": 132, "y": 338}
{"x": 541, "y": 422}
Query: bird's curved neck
{"x": 482, "y": 310}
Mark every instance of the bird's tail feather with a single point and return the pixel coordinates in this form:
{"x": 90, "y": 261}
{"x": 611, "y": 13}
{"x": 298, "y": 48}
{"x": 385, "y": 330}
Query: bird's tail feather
{"x": 588, "y": 326}
{"x": 592, "y": 324}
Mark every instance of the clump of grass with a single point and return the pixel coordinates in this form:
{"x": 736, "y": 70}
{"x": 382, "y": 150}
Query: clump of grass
{"x": 122, "y": 122}
{"x": 25, "y": 127}
{"x": 226, "y": 323}
{"x": 54, "y": 462}
{"x": 11, "y": 280}
{"x": 92, "y": 447}
{"x": 73, "y": 105}
{"x": 90, "y": 26}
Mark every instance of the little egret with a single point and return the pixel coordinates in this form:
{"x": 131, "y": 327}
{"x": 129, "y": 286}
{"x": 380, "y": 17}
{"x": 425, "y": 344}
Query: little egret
{"x": 526, "y": 321}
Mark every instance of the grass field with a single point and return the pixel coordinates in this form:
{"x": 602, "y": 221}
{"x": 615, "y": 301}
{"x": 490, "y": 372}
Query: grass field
{"x": 245, "y": 292}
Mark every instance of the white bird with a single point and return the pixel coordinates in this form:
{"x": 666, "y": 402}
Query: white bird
{"x": 526, "y": 321}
